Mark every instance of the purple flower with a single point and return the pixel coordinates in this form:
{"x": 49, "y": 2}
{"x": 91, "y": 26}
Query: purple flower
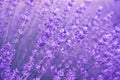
{"x": 59, "y": 40}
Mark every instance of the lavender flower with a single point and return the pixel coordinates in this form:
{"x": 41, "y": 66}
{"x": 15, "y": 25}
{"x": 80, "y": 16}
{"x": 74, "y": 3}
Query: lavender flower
{"x": 59, "y": 40}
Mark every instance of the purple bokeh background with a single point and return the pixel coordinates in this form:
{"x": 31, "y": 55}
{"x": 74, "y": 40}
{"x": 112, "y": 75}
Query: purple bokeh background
{"x": 59, "y": 40}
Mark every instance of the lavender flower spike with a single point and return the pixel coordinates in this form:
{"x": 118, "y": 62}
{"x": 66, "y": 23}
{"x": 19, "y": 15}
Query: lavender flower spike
{"x": 59, "y": 40}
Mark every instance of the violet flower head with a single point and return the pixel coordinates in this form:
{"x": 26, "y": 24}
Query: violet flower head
{"x": 59, "y": 40}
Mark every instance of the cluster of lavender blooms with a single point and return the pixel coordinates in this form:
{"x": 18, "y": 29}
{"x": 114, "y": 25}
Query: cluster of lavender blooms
{"x": 59, "y": 40}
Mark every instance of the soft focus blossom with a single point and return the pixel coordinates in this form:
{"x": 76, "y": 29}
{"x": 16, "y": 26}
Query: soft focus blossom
{"x": 59, "y": 40}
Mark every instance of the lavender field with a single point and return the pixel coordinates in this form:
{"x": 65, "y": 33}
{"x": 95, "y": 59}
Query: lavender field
{"x": 59, "y": 39}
